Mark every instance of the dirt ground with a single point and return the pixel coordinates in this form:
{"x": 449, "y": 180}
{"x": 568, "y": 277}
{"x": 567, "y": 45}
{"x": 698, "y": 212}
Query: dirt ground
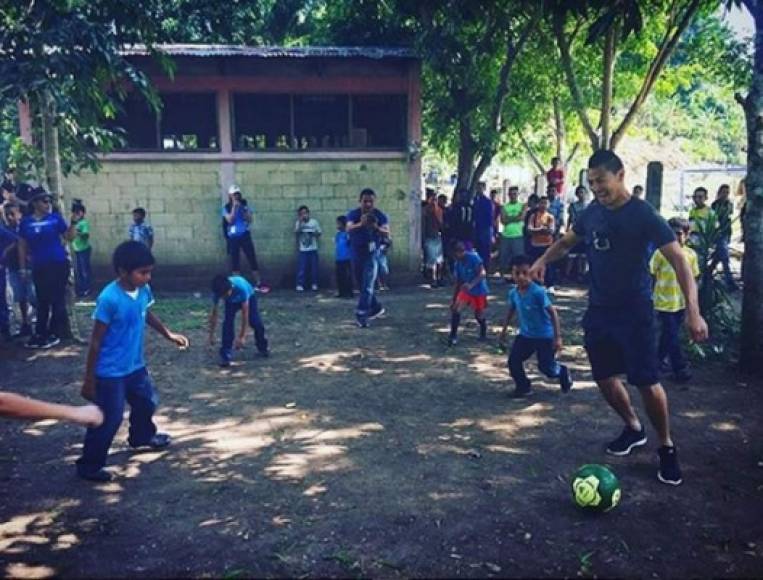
{"x": 375, "y": 453}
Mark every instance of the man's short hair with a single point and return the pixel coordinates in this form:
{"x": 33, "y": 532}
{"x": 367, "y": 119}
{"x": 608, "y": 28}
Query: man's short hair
{"x": 132, "y": 255}
{"x": 342, "y": 219}
{"x": 514, "y": 188}
{"x": 701, "y": 189}
{"x": 520, "y": 260}
{"x": 301, "y": 207}
{"x": 140, "y": 211}
{"x": 367, "y": 191}
{"x": 442, "y": 196}
{"x": 221, "y": 284}
{"x": 606, "y": 159}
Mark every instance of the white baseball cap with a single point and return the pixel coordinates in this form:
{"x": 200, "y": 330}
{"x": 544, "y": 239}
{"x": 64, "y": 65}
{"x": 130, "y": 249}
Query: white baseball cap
{"x": 233, "y": 189}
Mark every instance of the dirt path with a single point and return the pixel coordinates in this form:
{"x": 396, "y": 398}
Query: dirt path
{"x": 374, "y": 453}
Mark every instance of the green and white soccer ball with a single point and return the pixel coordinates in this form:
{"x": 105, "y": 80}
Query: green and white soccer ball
{"x": 595, "y": 488}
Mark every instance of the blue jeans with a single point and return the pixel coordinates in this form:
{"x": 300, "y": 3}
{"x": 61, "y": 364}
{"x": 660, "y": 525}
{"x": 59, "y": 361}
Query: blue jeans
{"x": 669, "y": 345}
{"x": 307, "y": 268}
{"x": 84, "y": 273}
{"x": 366, "y": 269}
{"x": 522, "y": 349}
{"x": 482, "y": 243}
{"x": 255, "y": 321}
{"x": 5, "y": 320}
{"x": 110, "y": 395}
{"x": 723, "y": 256}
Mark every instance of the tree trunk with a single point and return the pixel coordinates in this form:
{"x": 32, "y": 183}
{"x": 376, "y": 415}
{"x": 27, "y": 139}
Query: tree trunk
{"x": 610, "y": 43}
{"x": 751, "y": 347}
{"x": 55, "y": 179}
{"x": 560, "y": 132}
{"x": 467, "y": 152}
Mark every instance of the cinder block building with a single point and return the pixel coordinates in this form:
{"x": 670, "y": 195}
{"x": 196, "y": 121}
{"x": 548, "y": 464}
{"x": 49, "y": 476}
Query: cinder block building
{"x": 290, "y": 126}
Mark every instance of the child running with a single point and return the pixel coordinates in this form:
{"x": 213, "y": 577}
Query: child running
{"x": 539, "y": 330}
{"x": 116, "y": 368}
{"x": 470, "y": 290}
{"x": 670, "y": 304}
{"x": 238, "y": 294}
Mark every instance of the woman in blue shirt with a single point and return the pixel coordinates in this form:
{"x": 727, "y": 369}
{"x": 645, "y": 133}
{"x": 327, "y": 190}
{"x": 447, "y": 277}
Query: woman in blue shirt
{"x": 236, "y": 217}
{"x": 41, "y": 243}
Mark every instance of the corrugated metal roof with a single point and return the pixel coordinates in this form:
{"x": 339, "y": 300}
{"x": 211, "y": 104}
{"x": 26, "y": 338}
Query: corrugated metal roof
{"x": 213, "y": 50}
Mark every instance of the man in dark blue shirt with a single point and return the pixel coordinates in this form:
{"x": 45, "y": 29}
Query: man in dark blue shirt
{"x": 483, "y": 224}
{"x": 618, "y": 231}
{"x": 366, "y": 226}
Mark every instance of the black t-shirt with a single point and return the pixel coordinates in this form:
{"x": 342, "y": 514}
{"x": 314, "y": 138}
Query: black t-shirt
{"x": 619, "y": 244}
{"x": 462, "y": 222}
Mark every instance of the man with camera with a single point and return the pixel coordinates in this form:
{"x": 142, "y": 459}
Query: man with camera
{"x": 366, "y": 226}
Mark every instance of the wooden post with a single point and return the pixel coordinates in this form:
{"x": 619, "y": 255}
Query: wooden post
{"x": 654, "y": 184}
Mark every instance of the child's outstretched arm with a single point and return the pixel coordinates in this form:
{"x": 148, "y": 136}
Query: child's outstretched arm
{"x": 244, "y": 325}
{"x": 12, "y": 405}
{"x": 557, "y": 328}
{"x": 154, "y": 322}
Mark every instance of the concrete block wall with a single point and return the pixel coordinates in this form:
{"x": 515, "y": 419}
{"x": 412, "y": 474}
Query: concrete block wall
{"x": 183, "y": 200}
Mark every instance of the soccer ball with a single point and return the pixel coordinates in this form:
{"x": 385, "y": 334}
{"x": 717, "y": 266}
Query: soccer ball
{"x": 595, "y": 488}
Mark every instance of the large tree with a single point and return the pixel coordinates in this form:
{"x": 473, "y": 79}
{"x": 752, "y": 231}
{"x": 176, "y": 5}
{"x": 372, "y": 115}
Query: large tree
{"x": 751, "y": 347}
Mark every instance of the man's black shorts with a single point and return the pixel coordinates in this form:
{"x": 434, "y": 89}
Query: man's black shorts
{"x": 622, "y": 341}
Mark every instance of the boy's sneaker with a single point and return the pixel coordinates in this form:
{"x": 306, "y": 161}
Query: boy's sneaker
{"x": 627, "y": 441}
{"x": 158, "y": 441}
{"x": 264, "y": 353}
{"x": 100, "y": 476}
{"x": 314, "y": 287}
{"x": 520, "y": 393}
{"x": 670, "y": 471}
{"x": 300, "y": 289}
{"x": 35, "y": 342}
{"x": 452, "y": 341}
{"x": 51, "y": 341}
{"x": 224, "y": 364}
{"x": 379, "y": 313}
{"x": 565, "y": 381}
{"x": 361, "y": 323}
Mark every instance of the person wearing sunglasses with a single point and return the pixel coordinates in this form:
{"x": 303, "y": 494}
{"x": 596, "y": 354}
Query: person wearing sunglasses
{"x": 42, "y": 248}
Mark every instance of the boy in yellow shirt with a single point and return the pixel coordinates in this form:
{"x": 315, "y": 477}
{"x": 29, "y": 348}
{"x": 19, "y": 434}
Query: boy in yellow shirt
{"x": 669, "y": 302}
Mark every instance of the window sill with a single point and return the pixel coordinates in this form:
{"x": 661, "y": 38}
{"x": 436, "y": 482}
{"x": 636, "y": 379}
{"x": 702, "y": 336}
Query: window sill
{"x": 334, "y": 154}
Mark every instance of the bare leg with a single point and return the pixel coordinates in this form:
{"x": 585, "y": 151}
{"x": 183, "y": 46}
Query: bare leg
{"x": 616, "y": 395}
{"x": 656, "y": 405}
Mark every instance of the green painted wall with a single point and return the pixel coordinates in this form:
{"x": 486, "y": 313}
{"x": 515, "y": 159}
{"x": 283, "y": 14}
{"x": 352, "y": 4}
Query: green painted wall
{"x": 183, "y": 202}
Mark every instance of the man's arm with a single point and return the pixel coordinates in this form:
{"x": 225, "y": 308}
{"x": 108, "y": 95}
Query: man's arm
{"x": 694, "y": 321}
{"x": 506, "y": 322}
{"x": 178, "y": 339}
{"x": 558, "y": 250}
{"x": 96, "y": 339}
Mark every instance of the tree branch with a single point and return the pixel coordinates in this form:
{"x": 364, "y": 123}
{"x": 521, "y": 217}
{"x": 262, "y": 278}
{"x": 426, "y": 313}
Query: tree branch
{"x": 571, "y": 155}
{"x": 658, "y": 64}
{"x": 572, "y": 81}
{"x": 531, "y": 153}
{"x": 610, "y": 50}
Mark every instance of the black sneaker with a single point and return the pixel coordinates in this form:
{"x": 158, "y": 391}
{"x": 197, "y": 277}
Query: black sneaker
{"x": 670, "y": 471}
{"x": 377, "y": 314}
{"x": 264, "y": 353}
{"x": 452, "y": 341}
{"x": 51, "y": 341}
{"x": 100, "y": 476}
{"x": 627, "y": 441}
{"x": 158, "y": 441}
{"x": 35, "y": 342}
{"x": 565, "y": 381}
{"x": 520, "y": 393}
{"x": 223, "y": 364}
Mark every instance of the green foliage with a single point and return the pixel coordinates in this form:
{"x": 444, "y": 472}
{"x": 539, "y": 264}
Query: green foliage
{"x": 715, "y": 302}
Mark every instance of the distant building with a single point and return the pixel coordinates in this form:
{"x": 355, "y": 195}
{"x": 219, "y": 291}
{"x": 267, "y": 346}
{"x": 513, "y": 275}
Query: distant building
{"x": 310, "y": 125}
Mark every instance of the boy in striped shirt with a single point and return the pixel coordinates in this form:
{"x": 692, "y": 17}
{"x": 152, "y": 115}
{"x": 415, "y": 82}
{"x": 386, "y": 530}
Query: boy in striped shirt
{"x": 669, "y": 302}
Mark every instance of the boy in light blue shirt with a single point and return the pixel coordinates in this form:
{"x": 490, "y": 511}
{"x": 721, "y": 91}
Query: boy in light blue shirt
{"x": 116, "y": 370}
{"x": 237, "y": 294}
{"x": 539, "y": 331}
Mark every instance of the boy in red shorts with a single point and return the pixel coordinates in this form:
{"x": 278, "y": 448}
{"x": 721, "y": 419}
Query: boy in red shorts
{"x": 470, "y": 290}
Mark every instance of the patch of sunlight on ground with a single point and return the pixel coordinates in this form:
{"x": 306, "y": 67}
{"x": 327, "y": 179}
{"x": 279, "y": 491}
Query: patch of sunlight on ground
{"x": 407, "y": 359}
{"x": 437, "y": 496}
{"x": 22, "y": 570}
{"x": 312, "y": 459}
{"x": 694, "y": 414}
{"x": 725, "y": 426}
{"x": 511, "y": 424}
{"x": 330, "y": 362}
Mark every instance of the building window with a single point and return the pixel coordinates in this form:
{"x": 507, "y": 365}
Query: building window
{"x": 321, "y": 121}
{"x": 138, "y": 124}
{"x": 261, "y": 122}
{"x": 379, "y": 121}
{"x": 189, "y": 121}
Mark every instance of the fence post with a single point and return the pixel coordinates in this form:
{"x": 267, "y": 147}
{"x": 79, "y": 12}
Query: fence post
{"x": 654, "y": 184}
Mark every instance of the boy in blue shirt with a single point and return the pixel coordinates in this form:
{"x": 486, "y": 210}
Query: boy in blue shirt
{"x": 343, "y": 257}
{"x": 238, "y": 294}
{"x": 470, "y": 290}
{"x": 539, "y": 331}
{"x": 116, "y": 370}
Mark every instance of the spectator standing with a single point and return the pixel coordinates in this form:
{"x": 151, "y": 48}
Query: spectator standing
{"x": 308, "y": 231}
{"x": 724, "y": 210}
{"x": 512, "y": 241}
{"x": 432, "y": 221}
{"x": 343, "y": 257}
{"x": 555, "y": 176}
{"x": 140, "y": 230}
{"x": 238, "y": 218}
{"x": 81, "y": 248}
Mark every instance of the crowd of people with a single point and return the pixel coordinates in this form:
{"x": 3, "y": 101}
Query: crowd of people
{"x": 641, "y": 269}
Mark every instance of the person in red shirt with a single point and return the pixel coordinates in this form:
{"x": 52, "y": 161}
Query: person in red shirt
{"x": 555, "y": 175}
